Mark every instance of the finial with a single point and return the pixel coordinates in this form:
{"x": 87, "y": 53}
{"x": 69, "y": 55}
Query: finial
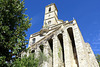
{"x": 73, "y": 18}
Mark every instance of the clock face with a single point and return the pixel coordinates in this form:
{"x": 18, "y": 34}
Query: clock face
{"x": 49, "y": 22}
{"x": 49, "y": 15}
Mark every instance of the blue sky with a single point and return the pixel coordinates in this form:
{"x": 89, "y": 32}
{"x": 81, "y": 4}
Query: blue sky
{"x": 86, "y": 13}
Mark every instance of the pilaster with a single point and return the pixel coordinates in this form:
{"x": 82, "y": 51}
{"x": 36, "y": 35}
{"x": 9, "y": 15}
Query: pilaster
{"x": 55, "y": 52}
{"x": 79, "y": 42}
{"x": 37, "y": 50}
{"x": 68, "y": 54}
{"x": 48, "y": 53}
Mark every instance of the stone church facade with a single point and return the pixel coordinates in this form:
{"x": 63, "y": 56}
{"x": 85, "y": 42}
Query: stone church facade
{"x": 62, "y": 42}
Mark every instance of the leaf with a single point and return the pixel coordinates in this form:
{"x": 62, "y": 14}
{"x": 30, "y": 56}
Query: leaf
{"x": 13, "y": 22}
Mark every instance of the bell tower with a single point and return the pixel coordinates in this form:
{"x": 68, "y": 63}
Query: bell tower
{"x": 51, "y": 16}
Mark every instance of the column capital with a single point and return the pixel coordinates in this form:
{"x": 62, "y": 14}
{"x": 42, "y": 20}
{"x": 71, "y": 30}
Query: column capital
{"x": 54, "y": 37}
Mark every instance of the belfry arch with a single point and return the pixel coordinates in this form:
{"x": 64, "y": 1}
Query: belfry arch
{"x": 71, "y": 35}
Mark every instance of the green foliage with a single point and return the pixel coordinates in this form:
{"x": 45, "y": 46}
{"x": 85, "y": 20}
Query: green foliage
{"x": 30, "y": 61}
{"x": 59, "y": 53}
{"x": 98, "y": 59}
{"x": 2, "y": 61}
{"x": 26, "y": 62}
{"x": 13, "y": 24}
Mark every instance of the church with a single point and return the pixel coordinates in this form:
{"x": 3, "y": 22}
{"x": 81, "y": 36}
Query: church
{"x": 61, "y": 42}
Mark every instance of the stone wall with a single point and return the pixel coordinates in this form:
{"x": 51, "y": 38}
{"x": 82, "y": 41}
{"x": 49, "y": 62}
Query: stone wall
{"x": 67, "y": 48}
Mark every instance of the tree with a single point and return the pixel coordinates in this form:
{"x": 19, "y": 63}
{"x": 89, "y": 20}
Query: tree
{"x": 98, "y": 59}
{"x": 30, "y": 61}
{"x": 13, "y": 24}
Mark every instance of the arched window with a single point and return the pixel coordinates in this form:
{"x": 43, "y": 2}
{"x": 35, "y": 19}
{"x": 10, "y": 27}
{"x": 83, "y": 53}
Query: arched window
{"x": 49, "y": 9}
{"x": 33, "y": 40}
{"x": 49, "y": 22}
{"x": 41, "y": 48}
{"x": 33, "y": 51}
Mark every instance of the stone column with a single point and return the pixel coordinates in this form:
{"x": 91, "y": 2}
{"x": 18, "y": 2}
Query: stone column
{"x": 37, "y": 55}
{"x": 48, "y": 53}
{"x": 60, "y": 53}
{"x": 55, "y": 52}
{"x": 37, "y": 50}
{"x": 79, "y": 43}
{"x": 68, "y": 52}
